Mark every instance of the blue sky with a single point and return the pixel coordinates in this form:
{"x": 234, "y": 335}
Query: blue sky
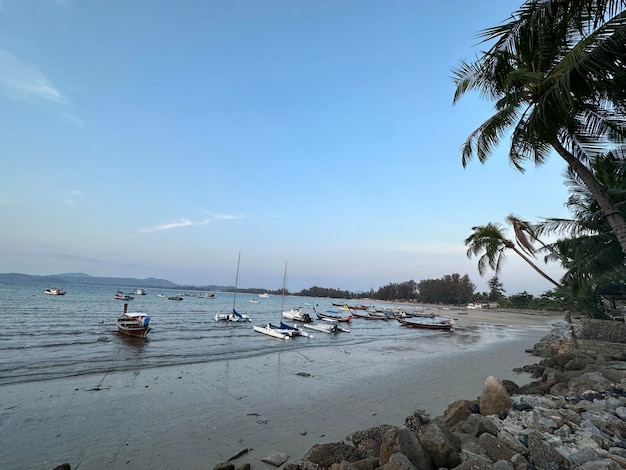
{"x": 159, "y": 139}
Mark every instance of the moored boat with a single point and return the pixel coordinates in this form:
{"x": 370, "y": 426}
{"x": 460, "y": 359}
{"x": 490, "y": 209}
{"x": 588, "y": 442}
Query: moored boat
{"x": 269, "y": 331}
{"x": 331, "y": 328}
{"x": 232, "y": 316}
{"x": 119, "y": 295}
{"x": 140, "y": 291}
{"x": 133, "y": 323}
{"x": 300, "y": 314}
{"x": 54, "y": 291}
{"x": 334, "y": 316}
{"x": 428, "y": 322}
{"x": 175, "y": 297}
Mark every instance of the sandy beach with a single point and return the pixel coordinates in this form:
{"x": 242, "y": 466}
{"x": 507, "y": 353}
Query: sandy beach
{"x": 194, "y": 416}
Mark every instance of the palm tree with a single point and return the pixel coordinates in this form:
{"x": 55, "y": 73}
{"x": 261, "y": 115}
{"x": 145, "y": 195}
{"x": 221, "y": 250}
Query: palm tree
{"x": 587, "y": 247}
{"x": 489, "y": 241}
{"x": 555, "y": 72}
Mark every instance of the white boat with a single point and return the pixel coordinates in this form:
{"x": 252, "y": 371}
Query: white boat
{"x": 234, "y": 315}
{"x": 161, "y": 295}
{"x": 139, "y": 291}
{"x": 326, "y": 328}
{"x": 282, "y": 331}
{"x": 300, "y": 314}
{"x": 253, "y": 301}
{"x": 264, "y": 295}
{"x": 269, "y": 331}
{"x": 207, "y": 296}
{"x": 54, "y": 291}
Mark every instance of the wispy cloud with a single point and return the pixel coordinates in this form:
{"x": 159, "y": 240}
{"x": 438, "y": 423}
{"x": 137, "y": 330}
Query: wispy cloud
{"x": 20, "y": 81}
{"x": 189, "y": 223}
{"x": 73, "y": 198}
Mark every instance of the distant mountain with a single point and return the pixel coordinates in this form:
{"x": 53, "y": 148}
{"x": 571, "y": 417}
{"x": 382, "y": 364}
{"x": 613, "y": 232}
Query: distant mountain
{"x": 81, "y": 278}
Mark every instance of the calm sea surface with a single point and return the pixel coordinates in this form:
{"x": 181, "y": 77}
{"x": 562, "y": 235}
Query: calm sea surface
{"x": 46, "y": 337}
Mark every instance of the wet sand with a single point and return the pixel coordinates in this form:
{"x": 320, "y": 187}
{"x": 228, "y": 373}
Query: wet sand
{"x": 194, "y": 416}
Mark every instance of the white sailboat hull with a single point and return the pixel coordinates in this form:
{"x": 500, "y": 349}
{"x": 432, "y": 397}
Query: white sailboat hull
{"x": 267, "y": 330}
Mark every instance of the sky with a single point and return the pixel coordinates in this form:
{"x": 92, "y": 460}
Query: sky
{"x": 162, "y": 139}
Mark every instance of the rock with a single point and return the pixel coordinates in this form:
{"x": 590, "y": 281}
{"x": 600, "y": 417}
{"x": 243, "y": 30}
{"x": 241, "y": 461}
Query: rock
{"x": 441, "y": 445}
{"x": 510, "y": 386}
{"x": 494, "y": 398}
{"x": 543, "y": 454}
{"x": 63, "y": 466}
{"x": 457, "y": 412}
{"x": 369, "y": 440}
{"x": 476, "y": 425}
{"x": 404, "y": 441}
{"x": 276, "y": 459}
{"x": 322, "y": 456}
{"x": 496, "y": 449}
{"x": 399, "y": 462}
{"x": 415, "y": 421}
{"x": 223, "y": 466}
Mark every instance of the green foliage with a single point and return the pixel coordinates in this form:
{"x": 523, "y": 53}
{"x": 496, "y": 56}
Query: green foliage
{"x": 451, "y": 289}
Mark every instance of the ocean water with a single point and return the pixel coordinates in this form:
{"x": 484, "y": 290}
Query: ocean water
{"x": 47, "y": 337}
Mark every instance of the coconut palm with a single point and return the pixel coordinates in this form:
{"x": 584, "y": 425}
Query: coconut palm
{"x": 490, "y": 242}
{"x": 555, "y": 72}
{"x": 587, "y": 246}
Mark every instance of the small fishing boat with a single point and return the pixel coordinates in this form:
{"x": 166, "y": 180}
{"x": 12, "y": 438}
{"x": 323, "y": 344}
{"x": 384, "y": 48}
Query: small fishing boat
{"x": 265, "y": 295}
{"x": 161, "y": 295}
{"x": 207, "y": 296}
{"x": 139, "y": 291}
{"x": 175, "y": 297}
{"x": 428, "y": 322}
{"x": 119, "y": 295}
{"x": 133, "y": 323}
{"x": 334, "y": 316}
{"x": 54, "y": 291}
{"x": 253, "y": 301}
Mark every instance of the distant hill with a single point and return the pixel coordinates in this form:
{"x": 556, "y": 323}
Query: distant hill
{"x": 85, "y": 279}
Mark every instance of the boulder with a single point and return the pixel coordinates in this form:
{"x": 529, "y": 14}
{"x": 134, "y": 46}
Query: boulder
{"x": 399, "y": 462}
{"x": 369, "y": 440}
{"x": 441, "y": 445}
{"x": 457, "y": 412}
{"x": 476, "y": 425}
{"x": 276, "y": 459}
{"x": 323, "y": 456}
{"x": 404, "y": 441}
{"x": 494, "y": 398}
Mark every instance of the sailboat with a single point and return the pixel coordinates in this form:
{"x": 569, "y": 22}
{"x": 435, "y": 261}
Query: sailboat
{"x": 282, "y": 330}
{"x": 234, "y": 315}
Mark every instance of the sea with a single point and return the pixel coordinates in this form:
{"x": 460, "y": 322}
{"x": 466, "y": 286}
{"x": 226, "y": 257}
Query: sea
{"x": 46, "y": 337}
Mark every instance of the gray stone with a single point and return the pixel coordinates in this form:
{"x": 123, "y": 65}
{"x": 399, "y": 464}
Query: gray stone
{"x": 276, "y": 459}
{"x": 322, "y": 456}
{"x": 399, "y": 462}
{"x": 441, "y": 445}
{"x": 404, "y": 441}
{"x": 369, "y": 440}
{"x": 494, "y": 398}
{"x": 496, "y": 449}
{"x": 476, "y": 425}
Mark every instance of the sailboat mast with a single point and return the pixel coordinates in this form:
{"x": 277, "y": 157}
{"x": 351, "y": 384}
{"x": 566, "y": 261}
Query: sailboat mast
{"x": 236, "y": 281}
{"x": 282, "y": 302}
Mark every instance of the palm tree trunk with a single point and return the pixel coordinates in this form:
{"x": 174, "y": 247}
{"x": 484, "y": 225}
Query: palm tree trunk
{"x": 613, "y": 216}
{"x": 533, "y": 265}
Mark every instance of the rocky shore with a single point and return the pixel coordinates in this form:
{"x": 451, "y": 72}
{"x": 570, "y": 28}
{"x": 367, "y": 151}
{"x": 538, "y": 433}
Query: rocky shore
{"x": 571, "y": 416}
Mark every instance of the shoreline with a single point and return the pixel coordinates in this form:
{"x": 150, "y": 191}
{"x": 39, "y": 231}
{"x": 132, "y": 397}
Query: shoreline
{"x": 195, "y": 415}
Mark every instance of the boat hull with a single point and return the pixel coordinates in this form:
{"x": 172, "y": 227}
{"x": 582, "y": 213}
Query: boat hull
{"x": 426, "y": 325}
{"x": 267, "y": 330}
{"x": 137, "y": 332}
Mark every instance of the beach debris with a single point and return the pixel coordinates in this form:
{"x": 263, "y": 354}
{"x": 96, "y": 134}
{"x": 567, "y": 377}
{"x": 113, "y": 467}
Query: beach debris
{"x": 303, "y": 374}
{"x": 224, "y": 466}
{"x": 103, "y": 339}
{"x": 276, "y": 459}
{"x": 239, "y": 454}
